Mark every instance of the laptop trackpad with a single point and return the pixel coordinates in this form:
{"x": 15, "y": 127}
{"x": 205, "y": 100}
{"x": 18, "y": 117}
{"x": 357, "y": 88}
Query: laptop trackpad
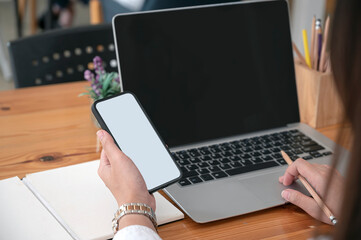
{"x": 267, "y": 188}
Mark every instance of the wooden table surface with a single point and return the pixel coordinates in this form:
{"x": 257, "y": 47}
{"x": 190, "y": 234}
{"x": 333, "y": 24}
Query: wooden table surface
{"x": 45, "y": 123}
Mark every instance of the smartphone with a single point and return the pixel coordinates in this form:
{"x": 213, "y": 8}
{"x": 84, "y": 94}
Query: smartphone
{"x": 125, "y": 120}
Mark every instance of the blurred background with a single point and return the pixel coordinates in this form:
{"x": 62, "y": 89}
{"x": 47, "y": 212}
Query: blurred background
{"x": 20, "y": 19}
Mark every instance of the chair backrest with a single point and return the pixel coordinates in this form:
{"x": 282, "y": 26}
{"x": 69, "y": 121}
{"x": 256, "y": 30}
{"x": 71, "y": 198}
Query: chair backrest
{"x": 61, "y": 55}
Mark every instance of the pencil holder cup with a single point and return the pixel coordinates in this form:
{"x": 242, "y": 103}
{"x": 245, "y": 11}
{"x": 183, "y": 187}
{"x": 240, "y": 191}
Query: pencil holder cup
{"x": 318, "y": 99}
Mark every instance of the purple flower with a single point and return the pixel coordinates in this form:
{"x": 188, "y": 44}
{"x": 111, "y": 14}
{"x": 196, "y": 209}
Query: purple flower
{"x": 97, "y": 61}
{"x": 97, "y": 77}
{"x": 98, "y": 65}
{"x": 88, "y": 75}
{"x": 117, "y": 79}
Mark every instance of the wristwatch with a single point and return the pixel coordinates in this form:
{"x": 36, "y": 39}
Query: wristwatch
{"x": 133, "y": 208}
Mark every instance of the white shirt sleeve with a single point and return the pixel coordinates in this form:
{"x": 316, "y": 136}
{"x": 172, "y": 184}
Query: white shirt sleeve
{"x": 136, "y": 232}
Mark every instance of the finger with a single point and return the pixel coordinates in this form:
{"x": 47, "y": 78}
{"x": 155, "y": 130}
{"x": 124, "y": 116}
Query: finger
{"x": 109, "y": 147}
{"x": 308, "y": 204}
{"x": 104, "y": 167}
{"x": 104, "y": 161}
{"x": 303, "y": 168}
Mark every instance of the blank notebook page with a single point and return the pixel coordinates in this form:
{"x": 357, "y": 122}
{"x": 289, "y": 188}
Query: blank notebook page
{"x": 80, "y": 198}
{"x": 23, "y": 216}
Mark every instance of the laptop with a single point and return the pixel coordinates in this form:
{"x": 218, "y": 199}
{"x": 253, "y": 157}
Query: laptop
{"x": 218, "y": 83}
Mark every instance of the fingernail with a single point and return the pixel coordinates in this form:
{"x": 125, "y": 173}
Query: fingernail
{"x": 285, "y": 194}
{"x": 100, "y": 134}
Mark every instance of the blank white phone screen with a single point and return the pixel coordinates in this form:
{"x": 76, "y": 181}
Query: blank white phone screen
{"x": 138, "y": 140}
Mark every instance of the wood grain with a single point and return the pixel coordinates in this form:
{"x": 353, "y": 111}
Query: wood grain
{"x": 52, "y": 122}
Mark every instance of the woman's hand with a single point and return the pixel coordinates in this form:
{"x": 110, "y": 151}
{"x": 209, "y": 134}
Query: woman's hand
{"x": 123, "y": 179}
{"x": 317, "y": 176}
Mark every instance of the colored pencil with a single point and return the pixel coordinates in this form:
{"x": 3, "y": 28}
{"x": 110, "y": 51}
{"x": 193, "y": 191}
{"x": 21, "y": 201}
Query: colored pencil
{"x": 313, "y": 36}
{"x": 324, "y": 45}
{"x": 307, "y": 51}
{"x": 313, "y": 193}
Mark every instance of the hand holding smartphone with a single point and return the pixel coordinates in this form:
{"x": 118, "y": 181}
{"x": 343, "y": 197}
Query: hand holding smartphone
{"x": 126, "y": 121}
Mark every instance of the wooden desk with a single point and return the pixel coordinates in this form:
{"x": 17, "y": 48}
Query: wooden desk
{"x": 52, "y": 122}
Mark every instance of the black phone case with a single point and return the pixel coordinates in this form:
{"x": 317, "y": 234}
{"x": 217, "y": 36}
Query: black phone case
{"x": 105, "y": 127}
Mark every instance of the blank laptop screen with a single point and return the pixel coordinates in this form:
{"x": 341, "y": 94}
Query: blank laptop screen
{"x": 210, "y": 72}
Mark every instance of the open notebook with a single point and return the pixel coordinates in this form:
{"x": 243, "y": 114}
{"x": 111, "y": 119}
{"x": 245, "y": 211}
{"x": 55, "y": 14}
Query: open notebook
{"x": 75, "y": 196}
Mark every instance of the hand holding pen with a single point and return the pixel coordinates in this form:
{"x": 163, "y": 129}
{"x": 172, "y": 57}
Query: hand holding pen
{"x": 316, "y": 175}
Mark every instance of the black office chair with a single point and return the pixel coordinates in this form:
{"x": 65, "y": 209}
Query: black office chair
{"x": 61, "y": 55}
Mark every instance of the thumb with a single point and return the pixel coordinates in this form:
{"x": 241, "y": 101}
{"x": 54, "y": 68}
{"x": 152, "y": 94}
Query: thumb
{"x": 110, "y": 149}
{"x": 297, "y": 198}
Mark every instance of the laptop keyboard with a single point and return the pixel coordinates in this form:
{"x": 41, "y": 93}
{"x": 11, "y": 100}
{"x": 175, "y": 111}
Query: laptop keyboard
{"x": 246, "y": 155}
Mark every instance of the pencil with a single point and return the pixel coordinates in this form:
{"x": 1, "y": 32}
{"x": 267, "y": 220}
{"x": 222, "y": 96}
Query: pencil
{"x": 305, "y": 45}
{"x": 313, "y": 35}
{"x": 299, "y": 55}
{"x": 325, "y": 39}
{"x": 313, "y": 193}
{"x": 318, "y": 40}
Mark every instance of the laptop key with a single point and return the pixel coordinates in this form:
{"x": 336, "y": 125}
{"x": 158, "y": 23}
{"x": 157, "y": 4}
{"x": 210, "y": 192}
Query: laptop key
{"x": 205, "y": 152}
{"x": 235, "y": 164}
{"x": 225, "y": 166}
{"x": 205, "y": 158}
{"x": 257, "y": 160}
{"x": 308, "y": 157}
{"x": 236, "y": 152}
{"x": 203, "y": 164}
{"x": 281, "y": 161}
{"x": 224, "y": 160}
{"x": 194, "y": 160}
{"x": 215, "y": 150}
{"x": 183, "y": 162}
{"x": 192, "y": 167}
{"x": 226, "y": 154}
{"x": 250, "y": 168}
{"x": 214, "y": 169}
{"x": 206, "y": 177}
{"x": 264, "y": 152}
{"x": 298, "y": 151}
{"x": 277, "y": 155}
{"x": 215, "y": 156}
{"x": 316, "y": 154}
{"x": 184, "y": 182}
{"x": 225, "y": 148}
{"x": 246, "y": 162}
{"x": 327, "y": 153}
{"x": 275, "y": 150}
{"x": 187, "y": 174}
{"x": 267, "y": 158}
{"x": 203, "y": 171}
{"x": 255, "y": 154}
{"x": 308, "y": 143}
{"x": 234, "y": 158}
{"x": 214, "y": 162}
{"x": 245, "y": 156}
{"x": 285, "y": 147}
{"x": 219, "y": 174}
{"x": 195, "y": 180}
{"x": 247, "y": 149}
{"x": 194, "y": 154}
{"x": 313, "y": 148}
{"x": 183, "y": 156}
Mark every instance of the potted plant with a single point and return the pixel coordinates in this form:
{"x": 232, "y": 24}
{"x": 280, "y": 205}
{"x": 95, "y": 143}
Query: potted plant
{"x": 102, "y": 84}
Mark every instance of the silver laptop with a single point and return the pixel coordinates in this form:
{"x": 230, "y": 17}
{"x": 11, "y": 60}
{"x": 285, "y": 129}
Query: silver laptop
{"x": 218, "y": 83}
